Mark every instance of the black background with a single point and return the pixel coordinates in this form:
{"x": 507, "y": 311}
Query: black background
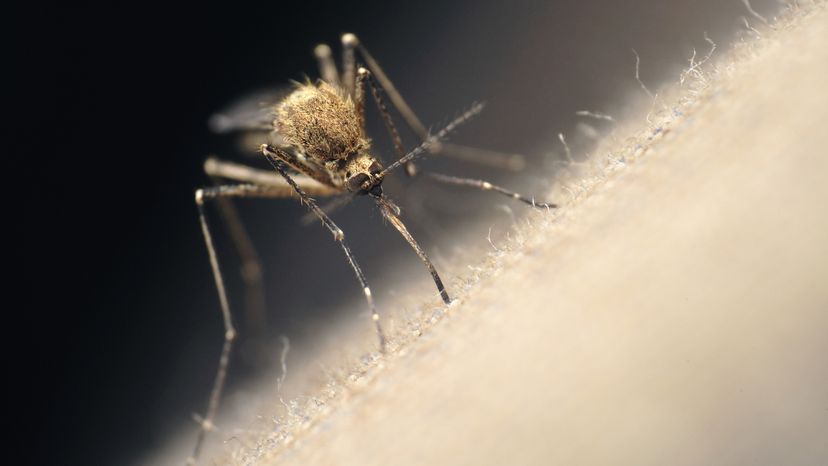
{"x": 114, "y": 330}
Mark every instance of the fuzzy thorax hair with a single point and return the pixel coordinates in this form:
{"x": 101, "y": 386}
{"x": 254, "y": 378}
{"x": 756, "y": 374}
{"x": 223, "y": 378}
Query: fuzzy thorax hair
{"x": 321, "y": 122}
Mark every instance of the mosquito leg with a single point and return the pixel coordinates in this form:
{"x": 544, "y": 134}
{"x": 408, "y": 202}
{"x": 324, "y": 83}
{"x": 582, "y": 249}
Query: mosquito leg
{"x": 386, "y": 119}
{"x": 349, "y": 42}
{"x": 436, "y": 138}
{"x": 229, "y": 334}
{"x": 486, "y": 186}
{"x": 397, "y": 99}
{"x": 221, "y": 193}
{"x": 329, "y": 208}
{"x": 251, "y": 269}
{"x": 276, "y": 158}
{"x": 491, "y": 158}
{"x": 251, "y": 265}
{"x": 388, "y": 211}
{"x": 237, "y": 172}
{"x": 359, "y": 97}
{"x": 327, "y": 68}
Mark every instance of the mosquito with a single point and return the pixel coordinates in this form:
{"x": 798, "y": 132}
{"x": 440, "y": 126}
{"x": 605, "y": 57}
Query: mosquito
{"x": 318, "y": 147}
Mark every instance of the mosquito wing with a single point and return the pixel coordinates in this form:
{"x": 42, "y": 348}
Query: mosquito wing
{"x": 254, "y": 112}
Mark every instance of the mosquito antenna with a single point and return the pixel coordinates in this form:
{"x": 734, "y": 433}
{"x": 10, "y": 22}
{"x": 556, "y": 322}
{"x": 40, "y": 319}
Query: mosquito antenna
{"x": 391, "y": 213}
{"x": 435, "y": 139}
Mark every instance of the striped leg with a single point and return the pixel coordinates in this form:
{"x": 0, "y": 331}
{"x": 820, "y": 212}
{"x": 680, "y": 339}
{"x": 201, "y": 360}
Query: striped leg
{"x": 277, "y": 158}
{"x": 514, "y": 162}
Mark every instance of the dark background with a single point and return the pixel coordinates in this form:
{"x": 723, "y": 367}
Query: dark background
{"x": 115, "y": 327}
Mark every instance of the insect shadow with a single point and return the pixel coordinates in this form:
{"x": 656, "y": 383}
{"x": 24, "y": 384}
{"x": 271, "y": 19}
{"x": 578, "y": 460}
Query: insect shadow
{"x": 318, "y": 147}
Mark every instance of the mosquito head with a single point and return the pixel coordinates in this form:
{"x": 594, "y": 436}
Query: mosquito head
{"x": 363, "y": 175}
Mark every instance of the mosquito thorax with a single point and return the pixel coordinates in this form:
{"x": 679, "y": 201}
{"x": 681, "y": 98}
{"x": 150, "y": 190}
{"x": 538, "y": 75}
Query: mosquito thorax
{"x": 321, "y": 122}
